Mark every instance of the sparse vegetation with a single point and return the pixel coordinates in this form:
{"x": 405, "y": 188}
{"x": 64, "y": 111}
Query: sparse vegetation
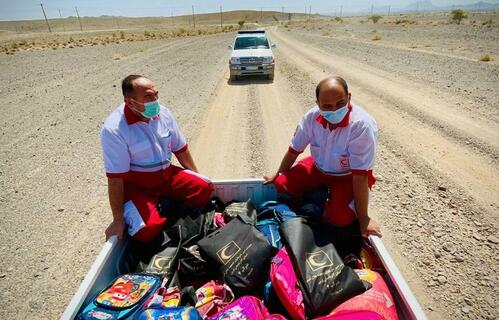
{"x": 338, "y": 19}
{"x": 327, "y": 33}
{"x": 241, "y": 23}
{"x": 413, "y": 46}
{"x": 376, "y": 37}
{"x": 374, "y": 18}
{"x": 122, "y": 35}
{"x": 485, "y": 58}
{"x": 457, "y": 15}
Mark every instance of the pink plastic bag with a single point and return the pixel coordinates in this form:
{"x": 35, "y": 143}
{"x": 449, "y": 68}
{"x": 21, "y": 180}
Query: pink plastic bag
{"x": 353, "y": 315}
{"x": 285, "y": 284}
{"x": 378, "y": 299}
{"x": 246, "y": 308}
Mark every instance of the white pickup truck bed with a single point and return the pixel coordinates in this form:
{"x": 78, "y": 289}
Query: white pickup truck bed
{"x": 110, "y": 262}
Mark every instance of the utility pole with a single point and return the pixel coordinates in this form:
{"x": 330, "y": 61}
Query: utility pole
{"x": 309, "y": 12}
{"x": 60, "y": 15}
{"x": 372, "y": 9}
{"x": 48, "y": 25}
{"x": 171, "y": 15}
{"x": 282, "y": 13}
{"x": 193, "y": 17}
{"x": 341, "y": 11}
{"x": 221, "y": 18}
{"x": 261, "y": 15}
{"x": 79, "y": 20}
{"x": 389, "y": 7}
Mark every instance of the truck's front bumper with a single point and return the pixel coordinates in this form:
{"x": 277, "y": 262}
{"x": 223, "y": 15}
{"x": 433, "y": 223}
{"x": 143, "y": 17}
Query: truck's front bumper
{"x": 242, "y": 70}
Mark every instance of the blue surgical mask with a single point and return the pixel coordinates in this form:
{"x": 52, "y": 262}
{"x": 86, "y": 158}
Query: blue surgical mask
{"x": 336, "y": 116}
{"x": 151, "y": 109}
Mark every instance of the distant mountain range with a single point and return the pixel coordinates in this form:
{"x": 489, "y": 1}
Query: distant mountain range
{"x": 424, "y": 5}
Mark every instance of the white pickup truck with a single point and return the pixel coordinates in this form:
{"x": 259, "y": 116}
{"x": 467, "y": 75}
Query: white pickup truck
{"x": 251, "y": 55}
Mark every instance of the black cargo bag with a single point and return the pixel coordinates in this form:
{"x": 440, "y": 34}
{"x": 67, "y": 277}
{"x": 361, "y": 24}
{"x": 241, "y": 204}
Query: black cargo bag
{"x": 323, "y": 278}
{"x": 241, "y": 252}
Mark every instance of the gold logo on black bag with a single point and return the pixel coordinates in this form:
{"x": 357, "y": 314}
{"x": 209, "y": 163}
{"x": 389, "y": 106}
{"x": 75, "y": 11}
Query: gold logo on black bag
{"x": 228, "y": 251}
{"x": 318, "y": 260}
{"x": 160, "y": 262}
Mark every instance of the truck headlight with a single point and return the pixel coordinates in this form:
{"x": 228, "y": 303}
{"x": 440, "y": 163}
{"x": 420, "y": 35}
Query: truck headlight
{"x": 235, "y": 60}
{"x": 268, "y": 59}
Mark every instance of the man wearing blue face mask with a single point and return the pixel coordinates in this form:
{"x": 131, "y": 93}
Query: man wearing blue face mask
{"x": 138, "y": 140}
{"x": 342, "y": 138}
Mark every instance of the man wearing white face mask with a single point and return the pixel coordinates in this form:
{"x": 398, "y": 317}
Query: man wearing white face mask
{"x": 138, "y": 141}
{"x": 342, "y": 138}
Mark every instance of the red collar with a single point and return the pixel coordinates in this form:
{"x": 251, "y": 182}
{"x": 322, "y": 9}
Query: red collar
{"x": 132, "y": 117}
{"x": 345, "y": 122}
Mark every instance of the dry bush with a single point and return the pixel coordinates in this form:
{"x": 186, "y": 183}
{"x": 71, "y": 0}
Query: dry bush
{"x": 413, "y": 46}
{"x": 457, "y": 15}
{"x": 427, "y": 45}
{"x": 327, "y": 33}
{"x": 376, "y": 37}
{"x": 484, "y": 58}
{"x": 116, "y": 56}
{"x": 374, "y": 18}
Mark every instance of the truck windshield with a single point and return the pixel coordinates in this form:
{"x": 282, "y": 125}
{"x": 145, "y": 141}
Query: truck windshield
{"x": 251, "y": 43}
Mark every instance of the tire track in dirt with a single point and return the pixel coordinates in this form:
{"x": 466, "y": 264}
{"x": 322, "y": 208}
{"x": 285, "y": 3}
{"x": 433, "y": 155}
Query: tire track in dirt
{"x": 417, "y": 99}
{"x": 54, "y": 203}
{"x": 470, "y": 171}
{"x": 433, "y": 234}
{"x": 222, "y": 147}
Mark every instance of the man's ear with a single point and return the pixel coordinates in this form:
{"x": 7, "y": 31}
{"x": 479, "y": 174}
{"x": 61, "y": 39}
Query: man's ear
{"x": 349, "y": 96}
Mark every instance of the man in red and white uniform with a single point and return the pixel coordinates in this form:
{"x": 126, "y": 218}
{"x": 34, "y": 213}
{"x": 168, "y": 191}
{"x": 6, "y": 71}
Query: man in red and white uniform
{"x": 342, "y": 138}
{"x": 138, "y": 141}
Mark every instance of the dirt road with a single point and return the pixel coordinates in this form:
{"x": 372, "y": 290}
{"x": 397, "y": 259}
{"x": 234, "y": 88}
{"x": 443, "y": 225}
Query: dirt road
{"x": 437, "y": 195}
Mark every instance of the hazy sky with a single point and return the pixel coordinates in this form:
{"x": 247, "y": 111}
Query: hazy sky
{"x": 30, "y": 9}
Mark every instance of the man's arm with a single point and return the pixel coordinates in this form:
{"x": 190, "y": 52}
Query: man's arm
{"x": 116, "y": 193}
{"x": 186, "y": 161}
{"x": 286, "y": 163}
{"x": 361, "y": 200}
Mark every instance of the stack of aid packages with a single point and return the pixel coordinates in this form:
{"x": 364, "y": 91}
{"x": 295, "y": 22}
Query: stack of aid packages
{"x": 237, "y": 262}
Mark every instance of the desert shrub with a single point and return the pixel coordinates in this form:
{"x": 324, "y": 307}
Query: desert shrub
{"x": 413, "y": 46}
{"x": 485, "y": 58}
{"x": 457, "y": 15}
{"x": 374, "y": 18}
{"x": 399, "y": 21}
{"x": 327, "y": 33}
{"x": 122, "y": 35}
{"x": 376, "y": 37}
{"x": 338, "y": 19}
{"x": 147, "y": 34}
{"x": 240, "y": 23}
{"x": 488, "y": 22}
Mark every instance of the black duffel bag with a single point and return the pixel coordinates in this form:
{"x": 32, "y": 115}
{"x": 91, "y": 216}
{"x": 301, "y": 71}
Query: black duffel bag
{"x": 323, "y": 278}
{"x": 241, "y": 252}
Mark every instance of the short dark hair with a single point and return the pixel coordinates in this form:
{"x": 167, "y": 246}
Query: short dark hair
{"x": 338, "y": 79}
{"x": 127, "y": 84}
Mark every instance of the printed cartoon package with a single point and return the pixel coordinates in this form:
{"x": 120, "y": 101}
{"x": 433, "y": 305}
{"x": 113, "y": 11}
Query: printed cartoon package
{"x": 246, "y": 308}
{"x": 175, "y": 313}
{"x": 123, "y": 298}
{"x": 213, "y": 297}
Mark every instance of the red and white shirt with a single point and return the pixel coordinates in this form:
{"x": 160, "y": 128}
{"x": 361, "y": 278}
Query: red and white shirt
{"x": 137, "y": 150}
{"x": 348, "y": 149}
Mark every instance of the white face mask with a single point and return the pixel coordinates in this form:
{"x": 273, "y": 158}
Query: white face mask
{"x": 336, "y": 116}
